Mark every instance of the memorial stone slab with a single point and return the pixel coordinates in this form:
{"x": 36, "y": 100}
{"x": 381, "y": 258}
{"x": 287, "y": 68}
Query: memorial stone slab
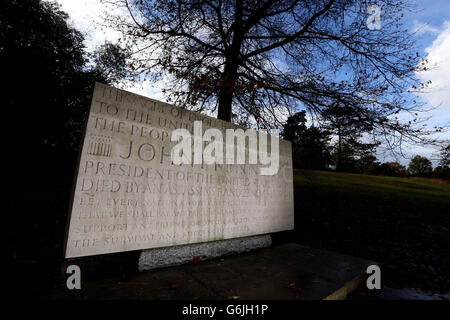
{"x": 129, "y": 195}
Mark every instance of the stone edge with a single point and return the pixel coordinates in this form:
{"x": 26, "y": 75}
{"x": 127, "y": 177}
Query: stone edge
{"x": 177, "y": 255}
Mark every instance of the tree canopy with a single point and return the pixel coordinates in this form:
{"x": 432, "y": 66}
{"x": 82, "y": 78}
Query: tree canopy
{"x": 445, "y": 156}
{"x": 50, "y": 75}
{"x": 310, "y": 149}
{"x": 343, "y": 122}
{"x": 420, "y": 166}
{"x": 257, "y": 62}
{"x": 49, "y": 79}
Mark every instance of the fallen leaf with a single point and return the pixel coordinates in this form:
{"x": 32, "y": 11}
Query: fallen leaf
{"x": 296, "y": 290}
{"x": 172, "y": 286}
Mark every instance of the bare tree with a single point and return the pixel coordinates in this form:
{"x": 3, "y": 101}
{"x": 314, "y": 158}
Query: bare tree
{"x": 258, "y": 61}
{"x": 445, "y": 156}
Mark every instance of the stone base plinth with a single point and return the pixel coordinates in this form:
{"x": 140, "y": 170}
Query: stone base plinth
{"x": 171, "y": 256}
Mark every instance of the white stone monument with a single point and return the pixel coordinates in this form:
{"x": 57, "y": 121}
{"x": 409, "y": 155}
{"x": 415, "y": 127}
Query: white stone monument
{"x": 129, "y": 195}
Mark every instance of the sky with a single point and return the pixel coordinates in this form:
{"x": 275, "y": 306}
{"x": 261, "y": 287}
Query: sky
{"x": 431, "y": 24}
{"x": 430, "y": 21}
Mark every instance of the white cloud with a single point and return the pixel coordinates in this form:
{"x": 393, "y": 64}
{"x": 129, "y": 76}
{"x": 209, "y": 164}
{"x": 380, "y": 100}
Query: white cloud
{"x": 421, "y": 28}
{"x": 437, "y": 95}
{"x": 146, "y": 88}
{"x": 86, "y": 17}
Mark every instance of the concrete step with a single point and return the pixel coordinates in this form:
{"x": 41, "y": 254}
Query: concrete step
{"x": 286, "y": 272}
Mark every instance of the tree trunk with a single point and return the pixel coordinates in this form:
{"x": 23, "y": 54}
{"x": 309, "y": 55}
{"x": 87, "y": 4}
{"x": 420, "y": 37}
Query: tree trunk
{"x": 225, "y": 103}
{"x": 227, "y": 88}
{"x": 229, "y": 76}
{"x": 339, "y": 154}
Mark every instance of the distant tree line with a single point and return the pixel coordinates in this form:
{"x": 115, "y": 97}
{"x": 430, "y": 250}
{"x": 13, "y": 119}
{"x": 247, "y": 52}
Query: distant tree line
{"x": 337, "y": 144}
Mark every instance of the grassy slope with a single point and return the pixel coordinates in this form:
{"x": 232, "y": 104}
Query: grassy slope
{"x": 401, "y": 222}
{"x": 433, "y": 192}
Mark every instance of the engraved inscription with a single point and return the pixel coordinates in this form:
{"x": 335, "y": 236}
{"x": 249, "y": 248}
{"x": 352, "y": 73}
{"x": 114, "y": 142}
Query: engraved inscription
{"x": 129, "y": 195}
{"x": 99, "y": 146}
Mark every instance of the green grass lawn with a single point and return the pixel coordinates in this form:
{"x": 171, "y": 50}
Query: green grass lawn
{"x": 402, "y": 222}
{"x": 430, "y": 191}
